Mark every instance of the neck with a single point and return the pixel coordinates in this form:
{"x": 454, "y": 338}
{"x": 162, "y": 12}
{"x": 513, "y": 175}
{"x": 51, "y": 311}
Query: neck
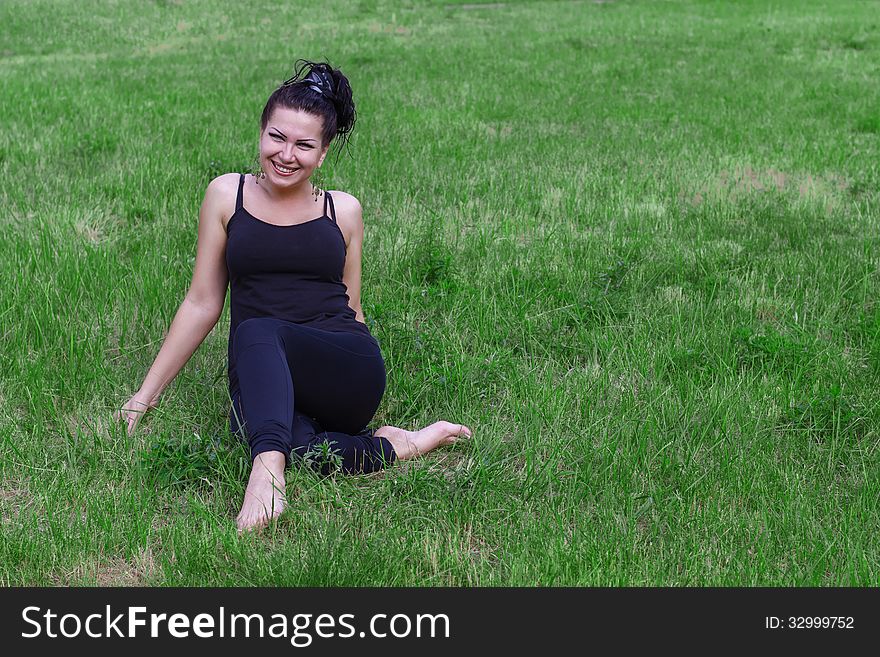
{"x": 295, "y": 194}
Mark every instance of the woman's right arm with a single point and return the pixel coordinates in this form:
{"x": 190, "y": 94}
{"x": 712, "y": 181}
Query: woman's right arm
{"x": 202, "y": 306}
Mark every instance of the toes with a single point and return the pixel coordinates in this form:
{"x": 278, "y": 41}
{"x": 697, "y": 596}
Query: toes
{"x": 249, "y": 519}
{"x": 251, "y": 524}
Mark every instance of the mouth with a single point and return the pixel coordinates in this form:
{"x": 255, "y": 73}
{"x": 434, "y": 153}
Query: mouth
{"x": 283, "y": 171}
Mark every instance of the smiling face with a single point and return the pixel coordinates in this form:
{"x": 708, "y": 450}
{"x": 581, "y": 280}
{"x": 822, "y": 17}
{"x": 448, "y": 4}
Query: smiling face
{"x": 290, "y": 146}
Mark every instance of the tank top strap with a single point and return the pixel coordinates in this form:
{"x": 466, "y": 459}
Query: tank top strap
{"x": 329, "y": 199}
{"x": 239, "y": 200}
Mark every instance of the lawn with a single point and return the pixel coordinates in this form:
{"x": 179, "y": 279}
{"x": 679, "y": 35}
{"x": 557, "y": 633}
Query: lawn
{"x": 633, "y": 245}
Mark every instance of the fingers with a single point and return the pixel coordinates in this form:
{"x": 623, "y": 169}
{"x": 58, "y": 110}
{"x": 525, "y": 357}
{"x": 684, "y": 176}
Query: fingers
{"x": 123, "y": 416}
{"x": 131, "y": 413}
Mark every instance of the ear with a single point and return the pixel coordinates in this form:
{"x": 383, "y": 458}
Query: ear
{"x": 323, "y": 154}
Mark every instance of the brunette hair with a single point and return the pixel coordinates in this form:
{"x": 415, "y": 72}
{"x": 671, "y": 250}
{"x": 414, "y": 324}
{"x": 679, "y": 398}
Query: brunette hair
{"x": 319, "y": 89}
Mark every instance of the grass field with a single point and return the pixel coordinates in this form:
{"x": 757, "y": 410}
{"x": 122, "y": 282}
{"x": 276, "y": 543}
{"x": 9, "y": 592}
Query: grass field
{"x": 633, "y": 245}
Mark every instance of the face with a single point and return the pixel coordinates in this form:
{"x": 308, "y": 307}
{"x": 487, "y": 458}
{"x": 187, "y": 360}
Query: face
{"x": 290, "y": 146}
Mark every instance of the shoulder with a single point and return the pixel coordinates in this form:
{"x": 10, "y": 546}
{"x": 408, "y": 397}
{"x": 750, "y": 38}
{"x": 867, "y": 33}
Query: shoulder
{"x": 349, "y": 214}
{"x": 220, "y": 196}
{"x": 346, "y": 204}
{"x": 223, "y": 186}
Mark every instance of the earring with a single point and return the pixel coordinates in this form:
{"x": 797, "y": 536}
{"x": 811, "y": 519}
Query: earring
{"x": 257, "y": 170}
{"x": 317, "y": 183}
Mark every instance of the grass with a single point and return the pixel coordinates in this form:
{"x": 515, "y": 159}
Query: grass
{"x": 631, "y": 244}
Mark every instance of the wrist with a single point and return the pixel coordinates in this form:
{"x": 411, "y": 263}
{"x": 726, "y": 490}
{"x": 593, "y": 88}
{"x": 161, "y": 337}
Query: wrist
{"x": 151, "y": 389}
{"x": 143, "y": 397}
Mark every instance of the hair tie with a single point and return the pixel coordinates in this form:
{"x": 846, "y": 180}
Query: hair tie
{"x": 323, "y": 83}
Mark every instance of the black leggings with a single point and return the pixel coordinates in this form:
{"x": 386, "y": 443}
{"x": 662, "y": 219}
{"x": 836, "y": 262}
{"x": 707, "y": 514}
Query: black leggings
{"x": 309, "y": 392}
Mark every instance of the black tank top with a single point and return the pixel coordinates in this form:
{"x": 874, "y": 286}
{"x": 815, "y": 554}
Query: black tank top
{"x": 291, "y": 272}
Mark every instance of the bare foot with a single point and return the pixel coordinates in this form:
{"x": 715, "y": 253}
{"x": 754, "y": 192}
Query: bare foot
{"x": 409, "y": 444}
{"x": 264, "y": 498}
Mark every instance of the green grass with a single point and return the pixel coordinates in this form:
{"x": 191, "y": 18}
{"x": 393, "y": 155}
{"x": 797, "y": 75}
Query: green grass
{"x": 633, "y": 245}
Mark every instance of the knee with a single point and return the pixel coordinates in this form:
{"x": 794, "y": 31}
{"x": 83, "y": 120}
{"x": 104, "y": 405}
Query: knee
{"x": 254, "y": 331}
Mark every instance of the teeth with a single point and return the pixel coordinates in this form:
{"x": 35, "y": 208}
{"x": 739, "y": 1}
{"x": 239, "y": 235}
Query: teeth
{"x": 283, "y": 169}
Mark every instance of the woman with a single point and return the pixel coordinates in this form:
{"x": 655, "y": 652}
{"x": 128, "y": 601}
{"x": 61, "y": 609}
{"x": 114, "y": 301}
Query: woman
{"x": 305, "y": 374}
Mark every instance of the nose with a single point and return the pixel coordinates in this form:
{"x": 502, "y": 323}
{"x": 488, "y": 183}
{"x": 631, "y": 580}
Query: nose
{"x": 288, "y": 152}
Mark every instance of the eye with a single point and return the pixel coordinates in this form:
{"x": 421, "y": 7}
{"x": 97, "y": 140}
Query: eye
{"x": 275, "y": 137}
{"x": 307, "y": 146}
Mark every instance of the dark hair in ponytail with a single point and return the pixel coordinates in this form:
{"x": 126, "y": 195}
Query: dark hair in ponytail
{"x": 319, "y": 89}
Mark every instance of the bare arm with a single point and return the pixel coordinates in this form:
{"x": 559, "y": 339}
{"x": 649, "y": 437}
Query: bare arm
{"x": 350, "y": 216}
{"x": 201, "y": 307}
{"x": 190, "y": 327}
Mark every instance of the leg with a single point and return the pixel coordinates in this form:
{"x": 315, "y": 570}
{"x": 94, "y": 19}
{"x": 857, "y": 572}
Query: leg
{"x": 285, "y": 369}
{"x": 331, "y": 451}
{"x": 405, "y": 445}
{"x": 262, "y": 410}
{"x": 336, "y": 376}
{"x": 356, "y": 453}
{"x": 264, "y": 497}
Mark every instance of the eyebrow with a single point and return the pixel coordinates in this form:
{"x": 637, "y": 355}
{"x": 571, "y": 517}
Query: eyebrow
{"x": 285, "y": 136}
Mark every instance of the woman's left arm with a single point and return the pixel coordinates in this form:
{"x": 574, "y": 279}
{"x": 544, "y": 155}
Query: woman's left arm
{"x": 349, "y": 215}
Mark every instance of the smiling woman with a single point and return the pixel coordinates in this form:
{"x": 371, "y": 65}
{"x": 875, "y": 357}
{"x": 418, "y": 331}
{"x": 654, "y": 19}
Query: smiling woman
{"x": 305, "y": 374}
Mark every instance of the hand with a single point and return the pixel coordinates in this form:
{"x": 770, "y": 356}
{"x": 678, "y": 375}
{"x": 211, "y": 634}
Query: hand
{"x": 133, "y": 410}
